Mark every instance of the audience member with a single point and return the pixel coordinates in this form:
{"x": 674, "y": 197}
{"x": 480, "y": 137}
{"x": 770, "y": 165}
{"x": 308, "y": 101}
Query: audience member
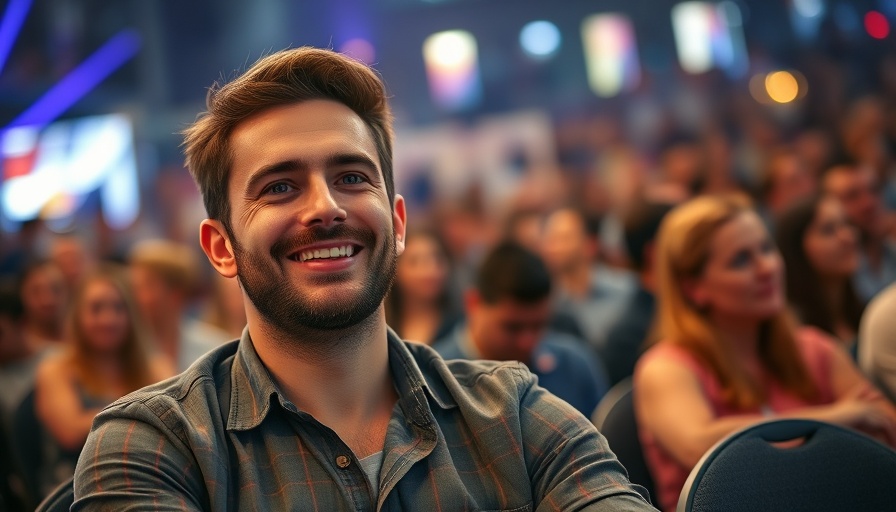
{"x": 507, "y": 316}
{"x": 319, "y": 404}
{"x": 102, "y": 360}
{"x": 858, "y": 190}
{"x": 729, "y": 354}
{"x": 592, "y": 292}
{"x": 626, "y": 339}
{"x": 820, "y": 251}
{"x": 225, "y": 309}
{"x": 419, "y": 307}
{"x": 42, "y": 289}
{"x": 783, "y": 179}
{"x": 877, "y": 341}
{"x": 18, "y": 358}
{"x": 72, "y": 258}
{"x": 165, "y": 277}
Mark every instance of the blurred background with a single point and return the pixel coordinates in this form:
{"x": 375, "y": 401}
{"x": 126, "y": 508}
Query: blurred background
{"x": 498, "y": 103}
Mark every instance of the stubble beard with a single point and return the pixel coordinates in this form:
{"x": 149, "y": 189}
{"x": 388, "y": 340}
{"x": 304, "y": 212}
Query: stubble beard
{"x": 289, "y": 311}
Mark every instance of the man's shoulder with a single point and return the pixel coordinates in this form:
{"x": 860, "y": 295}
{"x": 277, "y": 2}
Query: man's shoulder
{"x": 196, "y": 387}
{"x": 467, "y": 376}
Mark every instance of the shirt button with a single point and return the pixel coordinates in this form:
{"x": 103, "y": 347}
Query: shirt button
{"x": 342, "y": 461}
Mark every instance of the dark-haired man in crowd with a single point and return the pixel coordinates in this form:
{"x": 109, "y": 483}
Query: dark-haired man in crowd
{"x": 626, "y": 338}
{"x": 589, "y": 290}
{"x": 320, "y": 406}
{"x": 859, "y": 191}
{"x": 507, "y": 316}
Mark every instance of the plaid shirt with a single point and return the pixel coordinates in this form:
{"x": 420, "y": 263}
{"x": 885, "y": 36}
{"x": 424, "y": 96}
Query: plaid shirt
{"x": 463, "y": 436}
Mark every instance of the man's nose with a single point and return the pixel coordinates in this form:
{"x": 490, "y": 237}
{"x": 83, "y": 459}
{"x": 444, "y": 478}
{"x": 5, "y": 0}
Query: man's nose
{"x": 321, "y": 205}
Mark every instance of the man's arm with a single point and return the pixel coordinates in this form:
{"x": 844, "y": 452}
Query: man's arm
{"x": 569, "y": 462}
{"x": 133, "y": 461}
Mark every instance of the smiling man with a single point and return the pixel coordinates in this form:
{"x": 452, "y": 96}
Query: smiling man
{"x": 319, "y": 406}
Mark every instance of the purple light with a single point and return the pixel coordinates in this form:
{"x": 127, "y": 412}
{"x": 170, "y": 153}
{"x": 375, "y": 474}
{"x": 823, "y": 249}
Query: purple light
{"x": 81, "y": 80}
{"x": 16, "y": 11}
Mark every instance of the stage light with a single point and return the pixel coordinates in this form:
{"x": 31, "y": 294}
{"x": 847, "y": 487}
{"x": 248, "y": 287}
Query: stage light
{"x": 876, "y": 25}
{"x": 611, "y": 54}
{"x": 452, "y": 67}
{"x": 540, "y": 39}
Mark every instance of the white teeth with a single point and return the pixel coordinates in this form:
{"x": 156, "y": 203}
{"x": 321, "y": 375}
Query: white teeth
{"x": 333, "y": 252}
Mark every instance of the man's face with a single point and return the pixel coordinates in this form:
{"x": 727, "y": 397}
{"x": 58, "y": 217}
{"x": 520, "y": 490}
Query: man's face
{"x": 314, "y": 236}
{"x": 858, "y": 193}
{"x": 507, "y": 330}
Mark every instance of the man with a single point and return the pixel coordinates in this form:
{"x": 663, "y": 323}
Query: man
{"x": 507, "y": 316}
{"x": 858, "y": 190}
{"x": 626, "y": 338}
{"x": 165, "y": 275}
{"x": 593, "y": 293}
{"x": 319, "y": 406}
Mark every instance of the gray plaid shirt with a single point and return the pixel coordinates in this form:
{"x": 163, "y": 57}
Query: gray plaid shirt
{"x": 464, "y": 435}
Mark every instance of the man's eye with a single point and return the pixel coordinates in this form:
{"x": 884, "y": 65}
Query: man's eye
{"x": 278, "y": 188}
{"x": 352, "y": 179}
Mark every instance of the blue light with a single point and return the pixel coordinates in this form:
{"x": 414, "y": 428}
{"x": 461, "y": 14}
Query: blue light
{"x": 540, "y": 39}
{"x": 81, "y": 80}
{"x": 16, "y": 11}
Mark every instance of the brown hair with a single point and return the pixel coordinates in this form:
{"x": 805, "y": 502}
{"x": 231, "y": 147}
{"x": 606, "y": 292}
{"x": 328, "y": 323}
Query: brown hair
{"x": 132, "y": 354}
{"x": 683, "y": 249}
{"x": 804, "y": 289}
{"x": 283, "y": 78}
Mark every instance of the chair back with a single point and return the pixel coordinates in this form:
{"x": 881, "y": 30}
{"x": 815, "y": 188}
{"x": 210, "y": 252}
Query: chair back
{"x": 614, "y": 417}
{"x": 793, "y": 465}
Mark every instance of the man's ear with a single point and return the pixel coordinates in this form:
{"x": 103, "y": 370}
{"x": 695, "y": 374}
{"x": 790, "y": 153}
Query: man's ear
{"x": 399, "y": 221}
{"x": 217, "y": 247}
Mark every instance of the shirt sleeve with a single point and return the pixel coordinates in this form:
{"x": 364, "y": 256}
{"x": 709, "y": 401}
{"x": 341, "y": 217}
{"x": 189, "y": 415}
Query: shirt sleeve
{"x": 569, "y": 462}
{"x": 132, "y": 461}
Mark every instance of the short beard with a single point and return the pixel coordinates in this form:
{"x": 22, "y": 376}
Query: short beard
{"x": 287, "y": 310}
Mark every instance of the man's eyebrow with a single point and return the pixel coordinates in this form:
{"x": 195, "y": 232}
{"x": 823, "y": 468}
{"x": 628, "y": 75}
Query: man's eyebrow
{"x": 276, "y": 168}
{"x": 351, "y": 159}
{"x": 337, "y": 160}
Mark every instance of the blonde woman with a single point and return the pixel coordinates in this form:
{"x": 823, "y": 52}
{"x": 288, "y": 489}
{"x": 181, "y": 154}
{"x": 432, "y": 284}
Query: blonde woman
{"x": 730, "y": 353}
{"x": 102, "y": 360}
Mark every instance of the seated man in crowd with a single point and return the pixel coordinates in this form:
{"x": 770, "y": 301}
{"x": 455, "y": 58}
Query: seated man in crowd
{"x": 507, "y": 315}
{"x": 593, "y": 293}
{"x": 165, "y": 277}
{"x": 320, "y": 406}
{"x": 626, "y": 338}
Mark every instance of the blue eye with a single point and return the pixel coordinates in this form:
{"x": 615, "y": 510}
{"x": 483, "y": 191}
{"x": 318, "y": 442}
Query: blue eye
{"x": 279, "y": 188}
{"x": 352, "y": 179}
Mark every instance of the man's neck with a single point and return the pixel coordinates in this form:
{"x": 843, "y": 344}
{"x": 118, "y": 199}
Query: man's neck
{"x": 341, "y": 377}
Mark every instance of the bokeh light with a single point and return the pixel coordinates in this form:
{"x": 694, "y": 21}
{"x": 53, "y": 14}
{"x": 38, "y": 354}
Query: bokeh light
{"x": 782, "y": 86}
{"x": 876, "y": 25}
{"x": 540, "y": 39}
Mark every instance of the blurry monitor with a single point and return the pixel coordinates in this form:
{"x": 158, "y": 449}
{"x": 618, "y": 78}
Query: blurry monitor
{"x": 710, "y": 35}
{"x": 452, "y": 68}
{"x": 68, "y": 169}
{"x": 611, "y": 55}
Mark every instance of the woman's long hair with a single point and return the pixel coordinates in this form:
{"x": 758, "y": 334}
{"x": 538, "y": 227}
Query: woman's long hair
{"x": 804, "y": 290}
{"x": 683, "y": 249}
{"x": 395, "y": 299}
{"x": 131, "y": 354}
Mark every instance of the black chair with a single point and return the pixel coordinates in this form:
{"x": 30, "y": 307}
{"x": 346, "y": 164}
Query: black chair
{"x": 614, "y": 417}
{"x": 815, "y": 466}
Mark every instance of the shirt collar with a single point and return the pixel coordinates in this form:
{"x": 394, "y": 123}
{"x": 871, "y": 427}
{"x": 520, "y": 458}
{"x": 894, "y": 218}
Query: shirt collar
{"x": 252, "y": 385}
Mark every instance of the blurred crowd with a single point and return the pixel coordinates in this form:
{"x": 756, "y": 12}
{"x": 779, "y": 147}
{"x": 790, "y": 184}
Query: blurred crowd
{"x": 737, "y": 266}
